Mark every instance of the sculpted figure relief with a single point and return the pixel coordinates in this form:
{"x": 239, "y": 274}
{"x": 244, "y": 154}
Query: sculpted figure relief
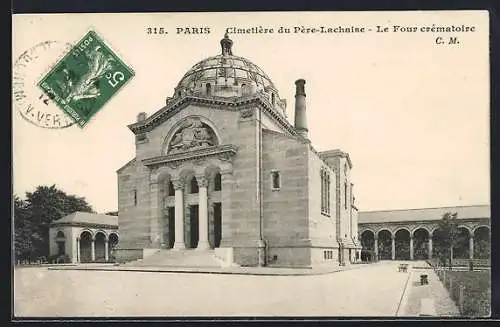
{"x": 192, "y": 134}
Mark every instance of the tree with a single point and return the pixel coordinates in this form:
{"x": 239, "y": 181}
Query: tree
{"x": 448, "y": 237}
{"x": 24, "y": 231}
{"x": 33, "y": 216}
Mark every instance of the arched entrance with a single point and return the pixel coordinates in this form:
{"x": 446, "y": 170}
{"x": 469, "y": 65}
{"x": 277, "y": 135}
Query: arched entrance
{"x": 420, "y": 244}
{"x": 215, "y": 207}
{"x": 85, "y": 247}
{"x": 368, "y": 245}
{"x": 385, "y": 245}
{"x": 461, "y": 248}
{"x": 100, "y": 247}
{"x": 482, "y": 243}
{"x": 112, "y": 243}
{"x": 402, "y": 244}
{"x": 192, "y": 224}
{"x": 438, "y": 248}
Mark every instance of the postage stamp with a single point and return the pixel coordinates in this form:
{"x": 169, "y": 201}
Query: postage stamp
{"x": 33, "y": 105}
{"x": 84, "y": 80}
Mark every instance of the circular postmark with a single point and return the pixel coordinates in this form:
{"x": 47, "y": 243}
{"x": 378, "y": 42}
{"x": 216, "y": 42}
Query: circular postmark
{"x": 29, "y": 100}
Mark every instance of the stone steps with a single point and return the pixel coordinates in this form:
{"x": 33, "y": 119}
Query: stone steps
{"x": 179, "y": 258}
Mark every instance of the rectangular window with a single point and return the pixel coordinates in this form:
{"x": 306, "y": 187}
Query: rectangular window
{"x": 328, "y": 194}
{"x": 276, "y": 180}
{"x": 351, "y": 196}
{"x": 325, "y": 192}
{"x": 345, "y": 195}
{"x": 135, "y": 197}
{"x": 322, "y": 192}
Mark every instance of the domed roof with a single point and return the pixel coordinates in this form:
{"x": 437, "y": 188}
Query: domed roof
{"x": 227, "y": 75}
{"x": 222, "y": 68}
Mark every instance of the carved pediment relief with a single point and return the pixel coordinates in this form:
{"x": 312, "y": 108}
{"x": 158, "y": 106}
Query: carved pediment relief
{"x": 192, "y": 134}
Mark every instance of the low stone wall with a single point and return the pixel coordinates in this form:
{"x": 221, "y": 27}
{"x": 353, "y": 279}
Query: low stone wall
{"x": 462, "y": 262}
{"x": 125, "y": 255}
{"x": 475, "y": 262}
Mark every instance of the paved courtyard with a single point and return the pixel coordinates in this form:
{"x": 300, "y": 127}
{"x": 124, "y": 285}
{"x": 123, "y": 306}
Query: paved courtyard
{"x": 372, "y": 290}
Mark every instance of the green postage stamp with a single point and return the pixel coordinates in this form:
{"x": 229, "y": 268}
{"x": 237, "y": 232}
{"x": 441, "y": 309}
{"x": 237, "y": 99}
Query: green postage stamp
{"x": 86, "y": 78}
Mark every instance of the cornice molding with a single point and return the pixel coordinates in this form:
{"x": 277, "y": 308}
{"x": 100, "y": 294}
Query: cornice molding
{"x": 231, "y": 104}
{"x": 417, "y": 222}
{"x": 81, "y": 224}
{"x": 221, "y": 152}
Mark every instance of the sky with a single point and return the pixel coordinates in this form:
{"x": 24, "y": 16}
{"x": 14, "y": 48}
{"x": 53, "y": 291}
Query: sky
{"x": 412, "y": 114}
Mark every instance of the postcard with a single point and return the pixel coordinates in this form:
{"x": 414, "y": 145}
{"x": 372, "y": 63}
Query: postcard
{"x": 251, "y": 164}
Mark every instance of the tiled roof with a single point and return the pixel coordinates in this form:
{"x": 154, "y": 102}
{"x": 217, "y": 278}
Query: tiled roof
{"x": 88, "y": 218}
{"x": 464, "y": 212}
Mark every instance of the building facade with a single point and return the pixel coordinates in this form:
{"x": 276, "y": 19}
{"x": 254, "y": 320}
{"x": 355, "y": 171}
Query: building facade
{"x": 413, "y": 234}
{"x": 221, "y": 169}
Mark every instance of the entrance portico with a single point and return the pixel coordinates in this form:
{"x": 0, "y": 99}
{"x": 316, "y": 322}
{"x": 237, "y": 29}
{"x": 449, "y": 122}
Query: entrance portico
{"x": 195, "y": 188}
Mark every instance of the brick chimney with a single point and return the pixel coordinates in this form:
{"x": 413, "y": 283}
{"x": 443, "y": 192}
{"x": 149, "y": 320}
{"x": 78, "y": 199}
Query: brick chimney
{"x": 300, "y": 108}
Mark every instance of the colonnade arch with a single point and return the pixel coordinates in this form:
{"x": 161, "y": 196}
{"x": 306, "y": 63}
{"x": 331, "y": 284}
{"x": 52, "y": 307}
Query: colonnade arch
{"x": 95, "y": 246}
{"x": 422, "y": 242}
{"x": 421, "y": 249}
{"x": 482, "y": 242}
{"x": 402, "y": 244}
{"x": 368, "y": 245}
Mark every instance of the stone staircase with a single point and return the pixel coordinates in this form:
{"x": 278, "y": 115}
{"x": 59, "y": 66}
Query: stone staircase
{"x": 179, "y": 258}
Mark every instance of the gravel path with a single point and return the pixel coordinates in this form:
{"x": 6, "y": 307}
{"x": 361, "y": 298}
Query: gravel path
{"x": 444, "y": 305}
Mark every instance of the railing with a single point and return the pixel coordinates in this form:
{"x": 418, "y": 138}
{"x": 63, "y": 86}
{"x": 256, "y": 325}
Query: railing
{"x": 467, "y": 294}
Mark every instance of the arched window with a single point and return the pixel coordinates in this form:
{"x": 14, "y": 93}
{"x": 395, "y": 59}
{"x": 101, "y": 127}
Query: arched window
{"x": 194, "y": 185}
{"x": 61, "y": 243}
{"x": 208, "y": 88}
{"x": 217, "y": 182}
{"x": 171, "y": 190}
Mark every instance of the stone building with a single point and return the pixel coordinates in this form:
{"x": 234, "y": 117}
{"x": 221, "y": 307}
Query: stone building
{"x": 84, "y": 237}
{"x": 413, "y": 233}
{"x": 220, "y": 170}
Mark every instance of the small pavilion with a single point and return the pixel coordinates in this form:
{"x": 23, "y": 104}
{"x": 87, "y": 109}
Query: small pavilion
{"x": 84, "y": 237}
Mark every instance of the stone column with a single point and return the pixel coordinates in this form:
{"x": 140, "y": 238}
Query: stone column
{"x": 376, "y": 247}
{"x": 471, "y": 247}
{"x": 106, "y": 255}
{"x": 393, "y": 247}
{"x": 156, "y": 236}
{"x": 179, "y": 214}
{"x": 411, "y": 247}
{"x": 92, "y": 249}
{"x": 202, "y": 213}
{"x": 226, "y": 210}
{"x": 429, "y": 255}
{"x": 77, "y": 250}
